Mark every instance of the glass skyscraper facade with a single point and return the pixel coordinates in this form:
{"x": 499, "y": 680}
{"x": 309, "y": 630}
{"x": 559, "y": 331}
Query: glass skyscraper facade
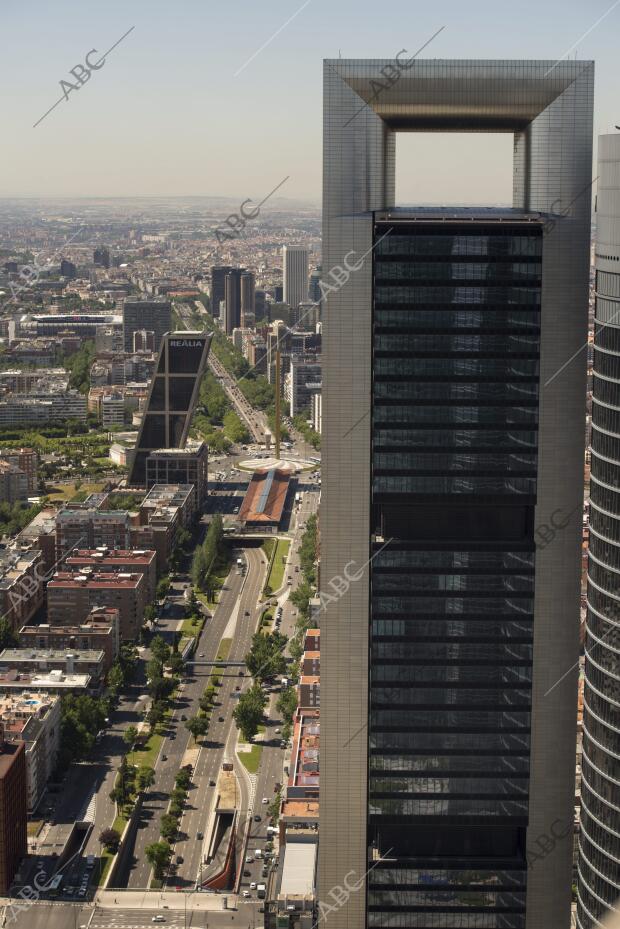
{"x": 599, "y": 842}
{"x": 456, "y": 330}
{"x": 172, "y": 398}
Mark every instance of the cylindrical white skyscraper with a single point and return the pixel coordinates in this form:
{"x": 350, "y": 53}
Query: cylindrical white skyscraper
{"x": 599, "y": 840}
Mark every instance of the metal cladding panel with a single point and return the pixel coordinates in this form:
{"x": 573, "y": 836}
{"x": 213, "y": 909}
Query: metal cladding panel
{"x": 548, "y": 106}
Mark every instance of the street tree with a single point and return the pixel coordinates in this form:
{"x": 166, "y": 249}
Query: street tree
{"x": 145, "y": 777}
{"x": 110, "y": 839}
{"x": 158, "y": 855}
{"x": 198, "y": 726}
{"x": 248, "y": 714}
{"x": 169, "y": 826}
{"x": 130, "y": 735}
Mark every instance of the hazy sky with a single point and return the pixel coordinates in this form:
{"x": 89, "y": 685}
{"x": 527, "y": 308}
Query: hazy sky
{"x": 179, "y": 108}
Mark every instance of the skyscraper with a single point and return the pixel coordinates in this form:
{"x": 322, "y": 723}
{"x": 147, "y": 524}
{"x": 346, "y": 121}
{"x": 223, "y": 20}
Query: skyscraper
{"x": 218, "y": 278}
{"x": 248, "y": 300}
{"x": 172, "y": 398}
{"x": 599, "y": 841}
{"x": 153, "y": 315}
{"x": 452, "y": 432}
{"x": 294, "y": 274}
{"x": 232, "y": 300}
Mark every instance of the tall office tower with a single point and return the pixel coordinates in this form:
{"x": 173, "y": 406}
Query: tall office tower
{"x": 232, "y": 300}
{"x": 218, "y": 278}
{"x": 172, "y": 398}
{"x": 294, "y": 274}
{"x": 599, "y": 840}
{"x": 68, "y": 269}
{"x": 453, "y": 431}
{"x": 260, "y": 305}
{"x": 154, "y": 315}
{"x": 314, "y": 286}
{"x": 101, "y": 257}
{"x": 248, "y": 300}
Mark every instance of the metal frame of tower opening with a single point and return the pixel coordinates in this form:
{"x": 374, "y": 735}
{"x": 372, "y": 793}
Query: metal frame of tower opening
{"x": 172, "y": 397}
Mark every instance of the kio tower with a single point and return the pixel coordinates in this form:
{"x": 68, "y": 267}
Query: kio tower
{"x": 453, "y": 441}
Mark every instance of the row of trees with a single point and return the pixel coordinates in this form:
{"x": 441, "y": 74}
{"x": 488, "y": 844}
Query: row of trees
{"x": 265, "y": 660}
{"x": 159, "y": 853}
{"x": 210, "y": 557}
{"x": 300, "y": 421}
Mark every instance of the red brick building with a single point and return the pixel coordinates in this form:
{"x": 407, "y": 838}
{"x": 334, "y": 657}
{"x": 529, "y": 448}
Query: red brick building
{"x": 13, "y": 809}
{"x": 74, "y": 594}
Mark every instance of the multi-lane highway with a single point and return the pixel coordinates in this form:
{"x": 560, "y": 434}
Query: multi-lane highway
{"x": 178, "y": 739}
{"x": 255, "y": 421}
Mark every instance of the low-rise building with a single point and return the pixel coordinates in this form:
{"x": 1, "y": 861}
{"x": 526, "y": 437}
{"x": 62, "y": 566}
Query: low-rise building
{"x": 118, "y": 561}
{"x": 99, "y": 632}
{"x": 26, "y": 459}
{"x": 13, "y": 484}
{"x": 87, "y": 527}
{"x": 188, "y": 465}
{"x": 22, "y": 576}
{"x": 177, "y": 496}
{"x": 44, "y": 660}
{"x": 74, "y": 594}
{"x": 263, "y": 504}
{"x": 54, "y": 681}
{"x": 34, "y": 718}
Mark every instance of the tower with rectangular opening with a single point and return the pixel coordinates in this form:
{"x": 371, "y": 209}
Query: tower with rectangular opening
{"x": 452, "y": 482}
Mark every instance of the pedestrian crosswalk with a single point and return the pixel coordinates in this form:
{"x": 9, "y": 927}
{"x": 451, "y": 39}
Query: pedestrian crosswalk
{"x": 135, "y": 919}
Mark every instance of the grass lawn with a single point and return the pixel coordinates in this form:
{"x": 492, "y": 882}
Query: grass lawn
{"x": 268, "y": 547}
{"x": 60, "y": 493}
{"x": 276, "y": 575}
{"x": 251, "y": 760}
{"x": 217, "y": 581}
{"x": 224, "y": 650}
{"x": 107, "y": 857}
{"x": 147, "y": 754}
{"x": 188, "y": 629}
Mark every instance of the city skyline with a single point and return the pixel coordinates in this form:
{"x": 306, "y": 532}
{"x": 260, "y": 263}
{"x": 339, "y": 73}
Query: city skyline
{"x": 162, "y": 67}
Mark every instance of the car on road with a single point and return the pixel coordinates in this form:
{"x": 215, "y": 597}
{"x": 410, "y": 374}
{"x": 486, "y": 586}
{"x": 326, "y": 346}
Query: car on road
{"x": 247, "y": 613}
{"x": 164, "y": 758}
{"x": 201, "y": 655}
{"x": 211, "y": 783}
{"x": 257, "y": 818}
{"x": 252, "y": 885}
{"x": 278, "y": 731}
{"x": 158, "y": 919}
{"x": 179, "y": 859}
{"x": 199, "y": 835}
{"x": 246, "y": 893}
{"x": 265, "y": 800}
{"x": 241, "y": 673}
{"x": 238, "y": 687}
{"x": 249, "y": 859}
{"x": 183, "y": 717}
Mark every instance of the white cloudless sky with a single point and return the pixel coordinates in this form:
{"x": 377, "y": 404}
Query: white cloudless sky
{"x": 179, "y": 109}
